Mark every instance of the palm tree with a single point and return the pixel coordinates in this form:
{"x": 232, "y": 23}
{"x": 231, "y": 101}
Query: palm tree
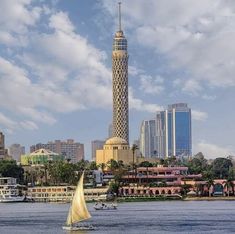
{"x": 209, "y": 183}
{"x": 134, "y": 148}
{"x": 199, "y": 189}
{"x": 112, "y": 165}
{"x": 229, "y": 184}
{"x": 118, "y": 170}
{"x": 102, "y": 166}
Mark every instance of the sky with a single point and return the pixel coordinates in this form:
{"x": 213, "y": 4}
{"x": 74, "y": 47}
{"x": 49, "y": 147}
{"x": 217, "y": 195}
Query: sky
{"x": 55, "y": 68}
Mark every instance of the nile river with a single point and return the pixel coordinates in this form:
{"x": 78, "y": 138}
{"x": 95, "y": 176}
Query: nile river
{"x": 142, "y": 217}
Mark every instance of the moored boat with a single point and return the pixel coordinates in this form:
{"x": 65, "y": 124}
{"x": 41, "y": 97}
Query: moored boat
{"x": 9, "y": 191}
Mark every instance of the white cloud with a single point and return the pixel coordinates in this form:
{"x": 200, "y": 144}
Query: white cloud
{"x": 195, "y": 36}
{"x": 29, "y": 125}
{"x": 192, "y": 87}
{"x": 199, "y": 115}
{"x": 134, "y": 71}
{"x": 7, "y": 122}
{"x": 209, "y": 97}
{"x": 15, "y": 18}
{"x": 151, "y": 85}
{"x": 139, "y": 105}
{"x": 60, "y": 21}
{"x": 213, "y": 151}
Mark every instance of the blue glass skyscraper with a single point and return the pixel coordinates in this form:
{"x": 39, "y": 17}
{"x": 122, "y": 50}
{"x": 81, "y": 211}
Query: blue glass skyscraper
{"x": 173, "y": 131}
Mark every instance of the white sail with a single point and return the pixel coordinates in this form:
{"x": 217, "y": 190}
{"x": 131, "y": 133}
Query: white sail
{"x": 78, "y": 210}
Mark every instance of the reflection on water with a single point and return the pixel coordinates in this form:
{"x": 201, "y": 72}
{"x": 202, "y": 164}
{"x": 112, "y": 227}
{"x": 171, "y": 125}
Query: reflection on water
{"x": 143, "y": 217}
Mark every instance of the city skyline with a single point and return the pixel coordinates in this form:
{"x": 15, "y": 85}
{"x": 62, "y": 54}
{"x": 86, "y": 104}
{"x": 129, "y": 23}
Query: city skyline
{"x": 56, "y": 76}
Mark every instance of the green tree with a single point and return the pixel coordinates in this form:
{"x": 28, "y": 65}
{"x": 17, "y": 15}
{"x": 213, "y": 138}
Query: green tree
{"x": 112, "y": 165}
{"x": 118, "y": 170}
{"x": 102, "y": 166}
{"x": 229, "y": 182}
{"x": 134, "y": 147}
{"x": 9, "y": 168}
{"x": 63, "y": 172}
{"x": 220, "y": 167}
{"x": 93, "y": 166}
{"x": 145, "y": 164}
{"x": 210, "y": 183}
{"x": 197, "y": 165}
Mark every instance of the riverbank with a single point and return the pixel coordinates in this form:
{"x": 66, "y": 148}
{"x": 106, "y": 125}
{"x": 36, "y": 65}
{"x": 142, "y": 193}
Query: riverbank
{"x": 209, "y": 198}
{"x": 146, "y": 199}
{"x": 173, "y": 198}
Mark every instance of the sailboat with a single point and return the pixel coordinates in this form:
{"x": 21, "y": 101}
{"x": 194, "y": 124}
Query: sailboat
{"x": 78, "y": 210}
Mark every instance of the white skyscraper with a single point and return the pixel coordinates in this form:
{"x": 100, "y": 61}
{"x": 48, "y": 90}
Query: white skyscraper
{"x": 148, "y": 138}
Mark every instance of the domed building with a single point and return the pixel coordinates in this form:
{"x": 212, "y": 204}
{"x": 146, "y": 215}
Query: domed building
{"x": 117, "y": 149}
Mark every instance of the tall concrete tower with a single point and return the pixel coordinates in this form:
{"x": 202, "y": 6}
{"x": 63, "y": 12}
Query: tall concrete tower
{"x": 120, "y": 84}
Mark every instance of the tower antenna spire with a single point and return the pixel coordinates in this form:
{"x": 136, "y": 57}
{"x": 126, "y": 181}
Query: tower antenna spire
{"x": 119, "y": 16}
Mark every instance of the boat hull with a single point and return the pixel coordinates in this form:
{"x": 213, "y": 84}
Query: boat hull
{"x": 11, "y": 199}
{"x": 107, "y": 208}
{"x": 103, "y": 206}
{"x": 75, "y": 228}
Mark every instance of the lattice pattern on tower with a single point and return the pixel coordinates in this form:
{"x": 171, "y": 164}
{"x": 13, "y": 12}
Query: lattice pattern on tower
{"x": 120, "y": 87}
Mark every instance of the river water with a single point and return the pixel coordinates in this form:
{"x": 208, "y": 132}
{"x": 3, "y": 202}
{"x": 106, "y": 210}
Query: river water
{"x": 134, "y": 217}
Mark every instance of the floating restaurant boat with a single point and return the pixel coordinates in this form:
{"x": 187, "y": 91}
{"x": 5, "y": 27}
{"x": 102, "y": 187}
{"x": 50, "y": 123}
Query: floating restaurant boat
{"x": 9, "y": 191}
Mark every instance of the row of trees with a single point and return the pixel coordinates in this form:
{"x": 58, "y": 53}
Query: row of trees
{"x": 60, "y": 172}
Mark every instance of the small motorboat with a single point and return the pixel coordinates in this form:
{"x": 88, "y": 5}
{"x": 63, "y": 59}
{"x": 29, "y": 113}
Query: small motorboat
{"x": 105, "y": 206}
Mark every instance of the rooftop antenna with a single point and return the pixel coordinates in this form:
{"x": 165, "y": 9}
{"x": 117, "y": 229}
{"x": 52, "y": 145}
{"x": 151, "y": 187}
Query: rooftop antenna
{"x": 119, "y": 16}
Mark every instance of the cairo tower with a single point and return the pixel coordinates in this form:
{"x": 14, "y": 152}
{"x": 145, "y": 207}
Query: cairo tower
{"x": 120, "y": 84}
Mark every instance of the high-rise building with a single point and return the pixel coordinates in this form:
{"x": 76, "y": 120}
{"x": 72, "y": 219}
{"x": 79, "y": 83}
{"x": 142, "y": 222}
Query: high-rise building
{"x": 173, "y": 131}
{"x": 96, "y": 145}
{"x": 15, "y": 151}
{"x": 3, "y": 151}
{"x": 110, "y": 131}
{"x": 148, "y": 138}
{"x": 71, "y": 150}
{"x": 120, "y": 84}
